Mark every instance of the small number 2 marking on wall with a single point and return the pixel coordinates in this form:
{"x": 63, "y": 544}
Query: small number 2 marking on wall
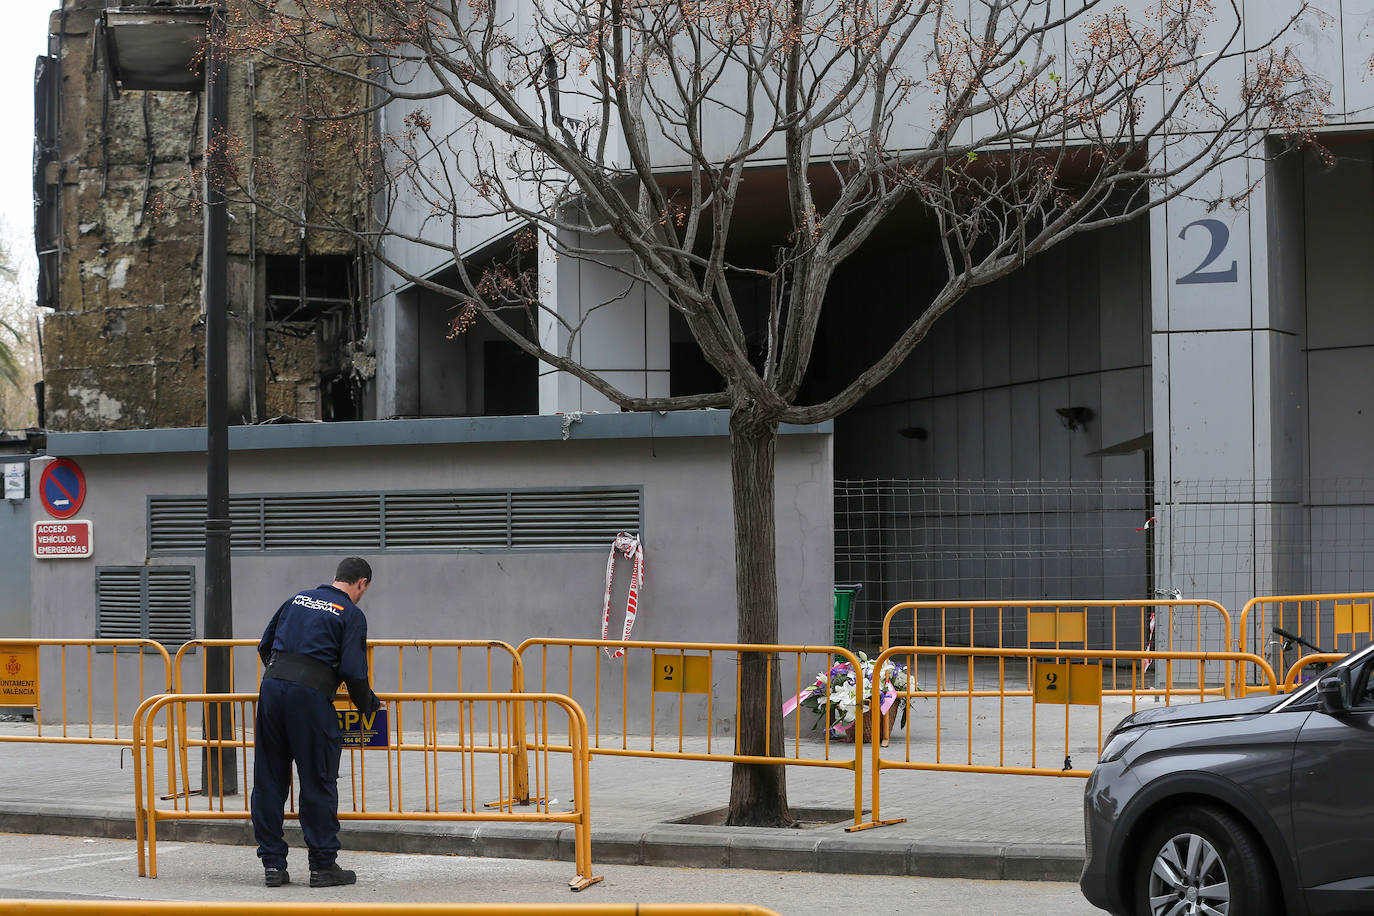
{"x": 1220, "y": 235}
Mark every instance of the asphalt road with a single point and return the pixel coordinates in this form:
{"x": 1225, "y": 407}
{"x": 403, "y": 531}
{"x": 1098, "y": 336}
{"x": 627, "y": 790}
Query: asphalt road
{"x": 73, "y": 867}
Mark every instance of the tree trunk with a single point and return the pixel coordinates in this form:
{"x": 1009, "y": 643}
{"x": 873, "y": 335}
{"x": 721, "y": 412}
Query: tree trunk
{"x": 758, "y": 793}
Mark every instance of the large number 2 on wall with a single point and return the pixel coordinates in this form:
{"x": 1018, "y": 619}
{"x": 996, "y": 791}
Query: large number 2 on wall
{"x": 1220, "y": 236}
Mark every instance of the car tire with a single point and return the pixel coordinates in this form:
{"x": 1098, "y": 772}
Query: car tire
{"x": 1229, "y": 872}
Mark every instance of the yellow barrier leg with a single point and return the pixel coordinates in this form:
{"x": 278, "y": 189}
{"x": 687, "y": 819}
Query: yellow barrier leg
{"x": 875, "y": 713}
{"x": 520, "y": 767}
{"x": 138, "y": 790}
{"x": 582, "y": 831}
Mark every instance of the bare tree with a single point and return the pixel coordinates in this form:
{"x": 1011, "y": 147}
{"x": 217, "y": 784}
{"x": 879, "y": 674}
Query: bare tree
{"x": 1013, "y": 124}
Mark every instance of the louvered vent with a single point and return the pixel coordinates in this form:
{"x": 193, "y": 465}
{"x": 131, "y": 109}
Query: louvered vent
{"x": 120, "y": 603}
{"x": 146, "y": 602}
{"x": 294, "y": 523}
{"x": 587, "y": 518}
{"x": 440, "y": 520}
{"x": 471, "y": 521}
{"x": 176, "y": 524}
{"x": 171, "y": 604}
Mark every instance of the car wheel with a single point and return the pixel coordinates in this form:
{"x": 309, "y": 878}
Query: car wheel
{"x": 1202, "y": 862}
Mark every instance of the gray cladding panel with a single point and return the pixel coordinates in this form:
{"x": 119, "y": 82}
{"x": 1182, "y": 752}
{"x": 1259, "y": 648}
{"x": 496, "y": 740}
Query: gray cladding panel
{"x": 1085, "y": 310}
{"x": 442, "y": 360}
{"x": 1209, "y": 378}
{"x": 1050, "y": 291}
{"x": 1340, "y": 239}
{"x": 1123, "y": 321}
{"x": 1125, "y": 401}
{"x": 1025, "y": 433}
{"x": 942, "y": 343}
{"x": 997, "y": 339}
{"x": 968, "y": 317}
{"x": 971, "y": 446}
{"x": 1023, "y": 324}
{"x": 998, "y": 443}
{"x": 1341, "y": 413}
{"x": 1057, "y": 443}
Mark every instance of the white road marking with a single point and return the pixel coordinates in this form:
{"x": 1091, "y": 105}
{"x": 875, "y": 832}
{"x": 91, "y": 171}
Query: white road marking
{"x": 92, "y": 860}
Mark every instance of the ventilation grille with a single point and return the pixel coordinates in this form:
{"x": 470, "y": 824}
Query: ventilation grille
{"x": 516, "y": 519}
{"x": 146, "y": 602}
{"x": 120, "y": 600}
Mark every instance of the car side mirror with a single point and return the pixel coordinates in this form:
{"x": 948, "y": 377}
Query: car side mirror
{"x": 1333, "y": 692}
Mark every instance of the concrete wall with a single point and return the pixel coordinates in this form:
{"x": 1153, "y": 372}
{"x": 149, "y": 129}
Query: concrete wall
{"x": 680, "y": 461}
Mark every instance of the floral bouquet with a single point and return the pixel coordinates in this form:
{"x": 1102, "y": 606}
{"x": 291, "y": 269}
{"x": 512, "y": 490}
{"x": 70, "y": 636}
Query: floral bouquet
{"x": 836, "y": 694}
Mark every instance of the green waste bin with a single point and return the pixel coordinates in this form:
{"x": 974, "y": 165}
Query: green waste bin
{"x": 844, "y": 613}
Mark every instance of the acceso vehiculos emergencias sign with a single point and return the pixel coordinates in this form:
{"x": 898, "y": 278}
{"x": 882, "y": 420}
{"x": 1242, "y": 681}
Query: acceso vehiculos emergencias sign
{"x": 62, "y": 540}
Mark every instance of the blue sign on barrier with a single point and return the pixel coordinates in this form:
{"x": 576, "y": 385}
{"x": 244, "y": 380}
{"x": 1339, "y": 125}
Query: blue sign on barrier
{"x": 361, "y": 730}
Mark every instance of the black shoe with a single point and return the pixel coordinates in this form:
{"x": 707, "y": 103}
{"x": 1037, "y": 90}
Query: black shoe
{"x": 333, "y": 876}
{"x": 275, "y": 877}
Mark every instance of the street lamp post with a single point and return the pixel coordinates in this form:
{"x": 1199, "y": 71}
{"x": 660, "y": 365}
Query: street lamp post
{"x": 162, "y": 48}
{"x": 221, "y": 767}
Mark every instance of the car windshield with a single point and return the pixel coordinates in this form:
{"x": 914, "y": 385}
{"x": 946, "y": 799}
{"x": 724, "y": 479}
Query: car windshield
{"x": 1308, "y": 690}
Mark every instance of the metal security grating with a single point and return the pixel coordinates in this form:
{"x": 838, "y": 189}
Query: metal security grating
{"x": 425, "y": 521}
{"x": 146, "y": 602}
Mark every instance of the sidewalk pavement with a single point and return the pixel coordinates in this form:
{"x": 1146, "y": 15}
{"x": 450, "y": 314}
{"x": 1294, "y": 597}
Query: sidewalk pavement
{"x": 957, "y": 825}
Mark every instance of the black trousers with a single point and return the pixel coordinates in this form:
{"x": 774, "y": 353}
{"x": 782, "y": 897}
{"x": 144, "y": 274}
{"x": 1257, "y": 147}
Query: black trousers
{"x": 296, "y": 722}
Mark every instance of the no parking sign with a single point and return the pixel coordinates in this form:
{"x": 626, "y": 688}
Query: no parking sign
{"x": 62, "y": 488}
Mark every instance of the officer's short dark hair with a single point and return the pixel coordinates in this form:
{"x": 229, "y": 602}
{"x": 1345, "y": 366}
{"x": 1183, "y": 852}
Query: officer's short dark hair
{"x": 351, "y": 569}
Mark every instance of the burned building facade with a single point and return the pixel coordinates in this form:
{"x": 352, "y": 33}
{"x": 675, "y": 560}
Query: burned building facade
{"x": 119, "y": 235}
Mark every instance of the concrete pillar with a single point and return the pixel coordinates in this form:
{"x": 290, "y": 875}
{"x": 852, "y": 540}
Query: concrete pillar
{"x": 617, "y": 327}
{"x": 1227, "y": 321}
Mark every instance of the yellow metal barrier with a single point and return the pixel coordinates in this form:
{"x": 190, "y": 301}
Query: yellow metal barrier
{"x": 432, "y": 752}
{"x": 1002, "y": 691}
{"x": 452, "y": 673}
{"x": 30, "y": 668}
{"x": 657, "y": 682}
{"x": 1291, "y": 681}
{"x": 258, "y": 908}
{"x": 25, "y": 677}
{"x": 1192, "y": 624}
{"x": 1338, "y": 622}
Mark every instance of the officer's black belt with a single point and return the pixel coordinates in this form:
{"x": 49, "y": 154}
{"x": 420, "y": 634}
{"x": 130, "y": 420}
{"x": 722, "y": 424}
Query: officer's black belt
{"x": 302, "y": 669}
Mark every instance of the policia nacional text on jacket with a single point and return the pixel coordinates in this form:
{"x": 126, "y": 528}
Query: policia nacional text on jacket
{"x": 315, "y": 640}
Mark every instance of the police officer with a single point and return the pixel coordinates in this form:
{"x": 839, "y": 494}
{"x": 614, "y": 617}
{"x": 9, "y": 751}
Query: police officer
{"x": 315, "y": 640}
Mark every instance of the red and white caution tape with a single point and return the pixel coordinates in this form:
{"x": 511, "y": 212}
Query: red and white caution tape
{"x": 633, "y": 549}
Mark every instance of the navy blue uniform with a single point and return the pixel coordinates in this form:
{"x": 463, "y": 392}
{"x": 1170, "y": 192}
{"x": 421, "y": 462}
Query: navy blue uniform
{"x": 297, "y": 722}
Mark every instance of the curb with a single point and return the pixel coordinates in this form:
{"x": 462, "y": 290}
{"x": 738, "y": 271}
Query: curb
{"x": 678, "y": 846}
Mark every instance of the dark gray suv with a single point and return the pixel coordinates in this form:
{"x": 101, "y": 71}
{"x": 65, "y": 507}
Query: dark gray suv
{"x": 1240, "y": 807}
